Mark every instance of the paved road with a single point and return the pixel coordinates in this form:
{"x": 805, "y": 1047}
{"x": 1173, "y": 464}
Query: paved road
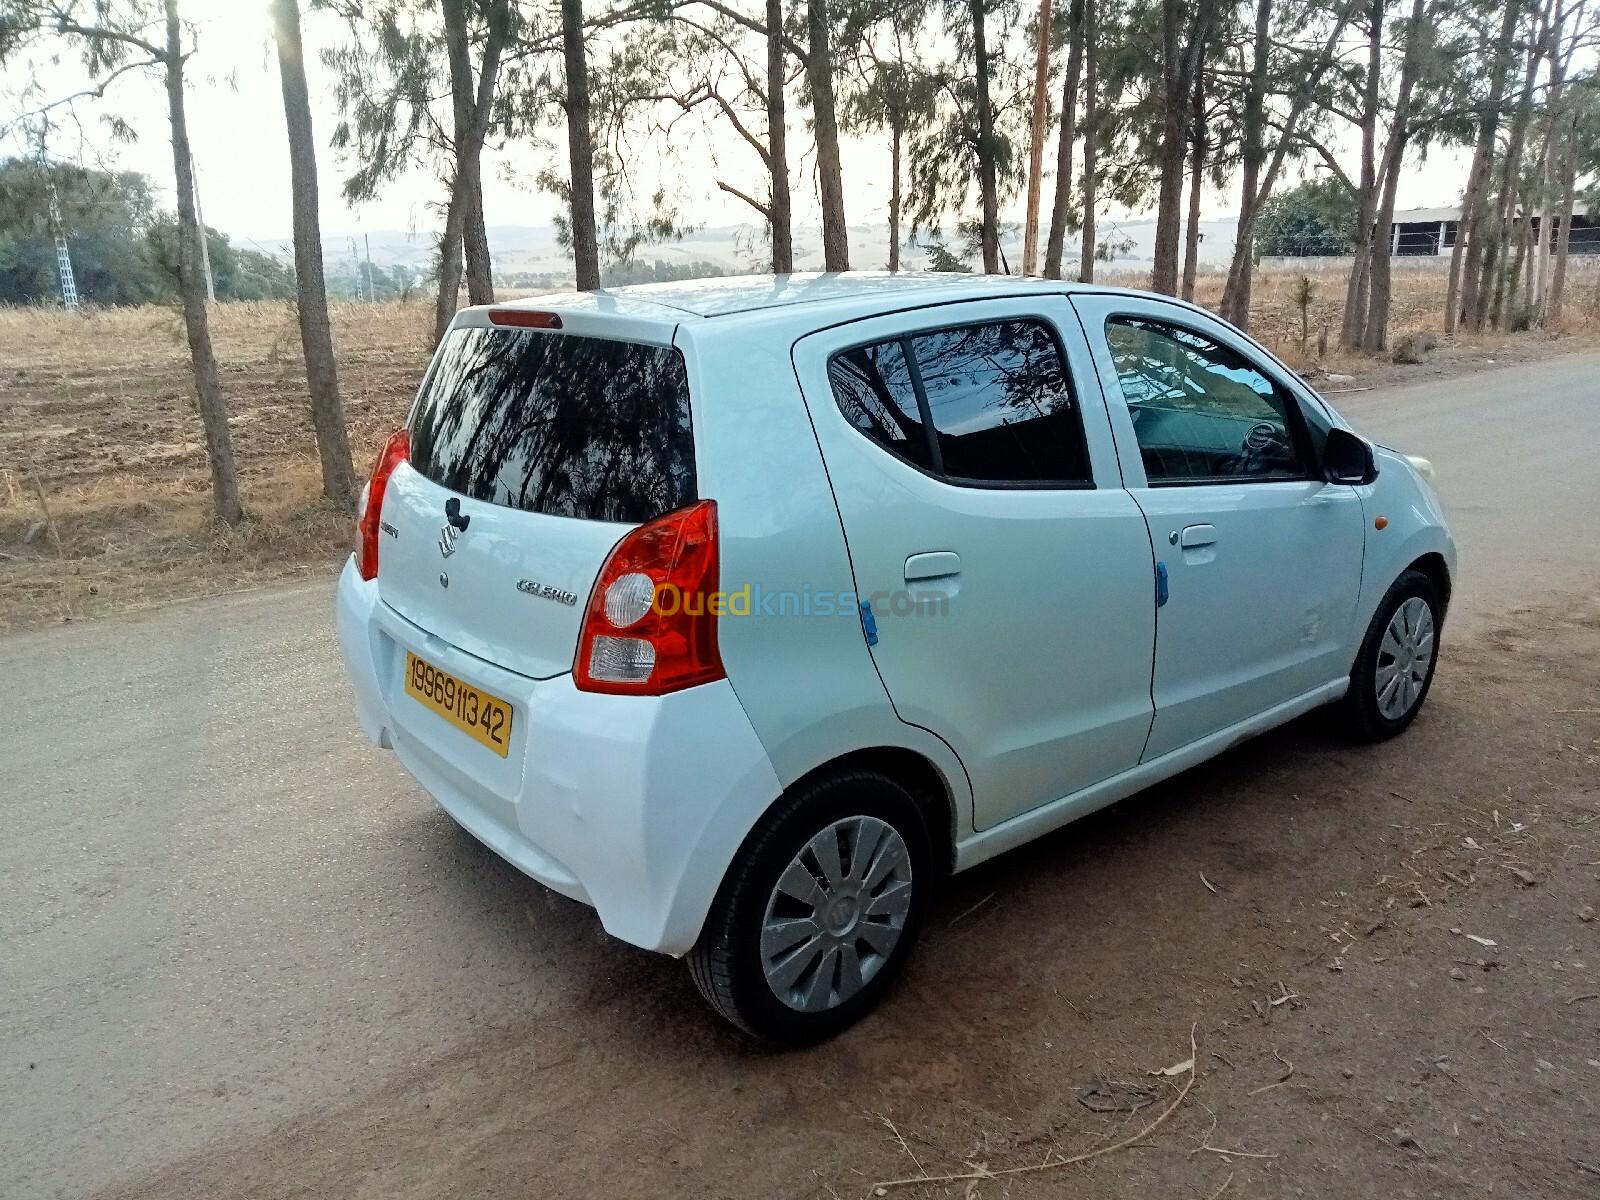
{"x": 221, "y": 908}
{"x": 1519, "y": 471}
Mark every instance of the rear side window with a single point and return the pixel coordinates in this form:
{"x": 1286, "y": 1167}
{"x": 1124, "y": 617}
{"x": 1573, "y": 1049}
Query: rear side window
{"x": 987, "y": 405}
{"x": 872, "y": 385}
{"x": 557, "y": 424}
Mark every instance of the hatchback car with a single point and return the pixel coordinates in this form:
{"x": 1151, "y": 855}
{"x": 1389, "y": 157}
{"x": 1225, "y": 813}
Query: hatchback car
{"x": 745, "y": 610}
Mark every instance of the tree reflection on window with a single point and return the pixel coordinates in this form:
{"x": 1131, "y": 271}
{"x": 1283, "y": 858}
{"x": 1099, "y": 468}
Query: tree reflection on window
{"x": 998, "y": 395}
{"x": 1200, "y": 411}
{"x": 872, "y": 385}
{"x": 558, "y": 424}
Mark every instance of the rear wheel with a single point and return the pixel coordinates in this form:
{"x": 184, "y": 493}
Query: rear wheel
{"x": 819, "y": 912}
{"x": 1394, "y": 669}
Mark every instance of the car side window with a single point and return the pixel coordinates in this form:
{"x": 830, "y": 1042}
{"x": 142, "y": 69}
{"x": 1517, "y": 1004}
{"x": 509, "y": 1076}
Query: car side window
{"x": 994, "y": 399}
{"x": 1201, "y": 412}
{"x": 872, "y": 386}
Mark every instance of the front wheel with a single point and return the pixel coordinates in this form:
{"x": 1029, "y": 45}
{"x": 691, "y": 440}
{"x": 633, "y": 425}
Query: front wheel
{"x": 1394, "y": 669}
{"x": 819, "y": 912}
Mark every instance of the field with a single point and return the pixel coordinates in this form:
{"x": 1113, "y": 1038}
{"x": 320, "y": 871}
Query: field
{"x": 105, "y": 495}
{"x": 99, "y": 410}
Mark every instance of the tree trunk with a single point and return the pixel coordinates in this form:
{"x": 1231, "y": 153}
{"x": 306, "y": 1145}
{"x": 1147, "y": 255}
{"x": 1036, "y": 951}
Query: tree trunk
{"x": 1510, "y": 283}
{"x": 1236, "y": 295}
{"x": 1491, "y": 285}
{"x": 468, "y": 128}
{"x": 1164, "y": 275}
{"x": 455, "y": 219}
{"x": 1197, "y": 134}
{"x": 1036, "y": 127}
{"x": 1525, "y": 253}
{"x": 1241, "y": 269}
{"x": 896, "y": 136}
{"x": 1548, "y": 165}
{"x": 1466, "y": 257}
{"x": 830, "y": 181}
{"x": 466, "y": 186}
{"x": 1375, "y": 332}
{"x": 780, "y": 215}
{"x": 1091, "y": 124}
{"x": 475, "y": 238}
{"x": 580, "y": 148}
{"x": 1375, "y": 329}
{"x": 1569, "y": 180}
{"x": 316, "y": 339}
{"x": 1179, "y": 65}
{"x": 1355, "y": 297}
{"x": 192, "y": 291}
{"x": 1041, "y": 105}
{"x": 987, "y": 185}
{"x": 1061, "y": 210}
{"x": 471, "y": 104}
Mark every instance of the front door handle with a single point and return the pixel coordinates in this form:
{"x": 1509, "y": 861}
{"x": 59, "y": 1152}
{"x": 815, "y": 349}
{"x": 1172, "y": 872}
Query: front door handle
{"x": 936, "y": 564}
{"x": 1198, "y": 535}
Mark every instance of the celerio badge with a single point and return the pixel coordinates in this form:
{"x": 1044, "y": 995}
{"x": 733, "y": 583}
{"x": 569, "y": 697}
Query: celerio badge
{"x": 545, "y": 592}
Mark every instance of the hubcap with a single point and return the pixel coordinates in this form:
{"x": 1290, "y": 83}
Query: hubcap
{"x": 836, "y": 914}
{"x": 1404, "y": 655}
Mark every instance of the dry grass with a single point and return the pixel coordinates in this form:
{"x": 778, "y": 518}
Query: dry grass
{"x": 100, "y": 406}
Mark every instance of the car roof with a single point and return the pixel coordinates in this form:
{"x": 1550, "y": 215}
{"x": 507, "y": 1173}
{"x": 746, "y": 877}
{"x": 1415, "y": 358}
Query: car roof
{"x": 735, "y": 295}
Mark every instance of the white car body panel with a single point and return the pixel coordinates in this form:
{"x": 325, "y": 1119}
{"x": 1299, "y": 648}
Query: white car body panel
{"x": 1031, "y": 657}
{"x": 1415, "y": 528}
{"x": 631, "y": 804}
{"x": 806, "y": 682}
{"x": 480, "y": 609}
{"x": 1023, "y": 829}
{"x": 638, "y": 805}
{"x": 1262, "y": 609}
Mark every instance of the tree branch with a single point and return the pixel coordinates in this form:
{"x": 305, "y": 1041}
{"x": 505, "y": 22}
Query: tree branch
{"x": 96, "y": 92}
{"x": 761, "y": 208}
{"x": 1326, "y": 155}
{"x": 99, "y": 33}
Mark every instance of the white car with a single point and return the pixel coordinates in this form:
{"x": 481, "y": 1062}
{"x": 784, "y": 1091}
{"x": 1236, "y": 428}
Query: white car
{"x": 744, "y": 610}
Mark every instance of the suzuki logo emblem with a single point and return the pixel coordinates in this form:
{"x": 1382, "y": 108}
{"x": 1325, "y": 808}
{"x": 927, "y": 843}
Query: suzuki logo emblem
{"x": 447, "y": 540}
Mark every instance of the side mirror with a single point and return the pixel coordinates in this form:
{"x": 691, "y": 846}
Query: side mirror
{"x": 1347, "y": 458}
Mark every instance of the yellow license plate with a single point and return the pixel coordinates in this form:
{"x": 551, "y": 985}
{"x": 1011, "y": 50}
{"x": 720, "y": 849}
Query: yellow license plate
{"x": 474, "y": 712}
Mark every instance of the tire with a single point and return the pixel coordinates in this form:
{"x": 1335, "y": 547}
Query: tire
{"x": 877, "y": 829}
{"x": 1373, "y": 712}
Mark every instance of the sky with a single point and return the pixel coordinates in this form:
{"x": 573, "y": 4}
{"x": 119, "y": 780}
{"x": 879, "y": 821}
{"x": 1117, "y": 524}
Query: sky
{"x": 241, "y": 152}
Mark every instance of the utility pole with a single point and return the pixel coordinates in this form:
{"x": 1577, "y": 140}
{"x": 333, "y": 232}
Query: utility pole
{"x": 371, "y": 295}
{"x": 69, "y": 284}
{"x": 205, "y": 247}
{"x": 1041, "y": 80}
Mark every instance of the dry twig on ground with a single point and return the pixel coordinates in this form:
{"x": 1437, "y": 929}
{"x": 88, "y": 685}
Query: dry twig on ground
{"x": 1049, "y": 1164}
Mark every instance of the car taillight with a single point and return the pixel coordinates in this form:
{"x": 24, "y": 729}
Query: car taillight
{"x": 651, "y": 624}
{"x": 395, "y": 451}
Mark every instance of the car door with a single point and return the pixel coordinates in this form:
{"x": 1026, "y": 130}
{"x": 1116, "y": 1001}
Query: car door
{"x": 1006, "y": 576}
{"x": 1258, "y": 557}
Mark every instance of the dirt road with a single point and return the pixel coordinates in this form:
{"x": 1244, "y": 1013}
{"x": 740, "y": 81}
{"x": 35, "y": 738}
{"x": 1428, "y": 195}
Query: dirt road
{"x": 245, "y": 956}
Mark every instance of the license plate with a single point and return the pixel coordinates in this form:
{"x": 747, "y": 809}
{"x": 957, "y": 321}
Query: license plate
{"x": 471, "y": 710}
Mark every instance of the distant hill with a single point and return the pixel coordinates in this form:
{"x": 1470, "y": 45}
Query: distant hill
{"x": 529, "y": 255}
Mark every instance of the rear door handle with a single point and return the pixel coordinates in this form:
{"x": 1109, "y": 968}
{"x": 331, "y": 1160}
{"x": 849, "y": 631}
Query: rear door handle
{"x": 1198, "y": 535}
{"x": 935, "y": 564}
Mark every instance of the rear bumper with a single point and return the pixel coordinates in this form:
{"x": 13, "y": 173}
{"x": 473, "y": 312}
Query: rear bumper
{"x": 632, "y": 804}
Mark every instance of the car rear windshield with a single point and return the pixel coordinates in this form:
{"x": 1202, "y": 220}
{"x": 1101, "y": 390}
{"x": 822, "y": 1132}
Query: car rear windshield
{"x": 557, "y": 424}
